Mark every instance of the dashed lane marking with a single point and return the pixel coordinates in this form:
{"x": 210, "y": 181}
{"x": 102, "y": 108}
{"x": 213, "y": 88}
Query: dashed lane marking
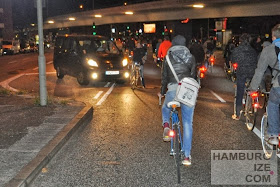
{"x": 107, "y": 85}
{"x": 98, "y": 94}
{"x": 106, "y": 95}
{"x": 46, "y": 63}
{"x": 218, "y": 97}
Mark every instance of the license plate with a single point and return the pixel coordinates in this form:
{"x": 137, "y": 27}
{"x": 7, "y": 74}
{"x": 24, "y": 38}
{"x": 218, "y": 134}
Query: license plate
{"x": 112, "y": 72}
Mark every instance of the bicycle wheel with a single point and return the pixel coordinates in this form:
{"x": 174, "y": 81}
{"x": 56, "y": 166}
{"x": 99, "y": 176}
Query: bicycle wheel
{"x": 132, "y": 80}
{"x": 250, "y": 114}
{"x": 177, "y": 150}
{"x": 268, "y": 149}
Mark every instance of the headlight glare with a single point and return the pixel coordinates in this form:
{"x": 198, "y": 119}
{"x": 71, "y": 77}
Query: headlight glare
{"x": 125, "y": 62}
{"x": 92, "y": 63}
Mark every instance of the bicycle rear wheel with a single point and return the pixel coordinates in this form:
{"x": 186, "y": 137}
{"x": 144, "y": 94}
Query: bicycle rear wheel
{"x": 268, "y": 149}
{"x": 177, "y": 149}
{"x": 250, "y": 114}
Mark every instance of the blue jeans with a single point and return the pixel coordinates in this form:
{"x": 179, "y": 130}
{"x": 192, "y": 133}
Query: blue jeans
{"x": 273, "y": 111}
{"x": 187, "y": 121}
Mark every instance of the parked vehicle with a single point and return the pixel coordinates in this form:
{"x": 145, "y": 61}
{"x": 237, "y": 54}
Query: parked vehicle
{"x": 10, "y": 47}
{"x": 89, "y": 58}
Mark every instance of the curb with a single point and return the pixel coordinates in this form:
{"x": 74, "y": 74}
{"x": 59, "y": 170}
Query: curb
{"x": 26, "y": 175}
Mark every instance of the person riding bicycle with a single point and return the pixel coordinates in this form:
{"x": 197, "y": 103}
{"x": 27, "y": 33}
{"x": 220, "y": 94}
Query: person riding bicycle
{"x": 139, "y": 57}
{"x": 269, "y": 57}
{"x": 184, "y": 65}
{"x": 246, "y": 58}
{"x": 208, "y": 48}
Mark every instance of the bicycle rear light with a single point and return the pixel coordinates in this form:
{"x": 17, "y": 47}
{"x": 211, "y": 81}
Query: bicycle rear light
{"x": 202, "y": 75}
{"x": 234, "y": 65}
{"x": 202, "y": 69}
{"x": 212, "y": 60}
{"x": 256, "y": 105}
{"x": 254, "y": 95}
{"x": 171, "y": 133}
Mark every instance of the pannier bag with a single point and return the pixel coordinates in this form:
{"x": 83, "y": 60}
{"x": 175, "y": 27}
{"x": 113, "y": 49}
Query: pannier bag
{"x": 187, "y": 91}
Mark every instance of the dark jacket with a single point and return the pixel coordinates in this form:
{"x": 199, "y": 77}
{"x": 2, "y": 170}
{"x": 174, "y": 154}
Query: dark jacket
{"x": 246, "y": 58}
{"x": 138, "y": 54}
{"x": 198, "y": 52}
{"x": 182, "y": 61}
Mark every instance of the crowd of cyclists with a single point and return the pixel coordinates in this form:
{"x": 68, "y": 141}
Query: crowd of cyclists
{"x": 258, "y": 61}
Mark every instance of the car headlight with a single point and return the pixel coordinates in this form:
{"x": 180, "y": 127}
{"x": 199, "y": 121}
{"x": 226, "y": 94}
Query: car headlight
{"x": 92, "y": 63}
{"x": 124, "y": 62}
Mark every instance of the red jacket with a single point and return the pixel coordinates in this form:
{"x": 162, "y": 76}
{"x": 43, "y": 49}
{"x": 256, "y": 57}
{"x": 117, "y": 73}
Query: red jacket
{"x": 163, "y": 48}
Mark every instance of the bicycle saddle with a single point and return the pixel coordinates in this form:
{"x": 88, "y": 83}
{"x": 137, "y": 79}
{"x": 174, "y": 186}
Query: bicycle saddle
{"x": 173, "y": 103}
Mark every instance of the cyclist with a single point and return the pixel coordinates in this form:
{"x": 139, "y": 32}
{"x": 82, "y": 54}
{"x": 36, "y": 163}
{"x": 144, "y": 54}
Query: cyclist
{"x": 139, "y": 56}
{"x": 184, "y": 65}
{"x": 269, "y": 57}
{"x": 246, "y": 58}
{"x": 163, "y": 48}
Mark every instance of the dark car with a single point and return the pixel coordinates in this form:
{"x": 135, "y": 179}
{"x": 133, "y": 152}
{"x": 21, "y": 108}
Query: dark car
{"x": 89, "y": 58}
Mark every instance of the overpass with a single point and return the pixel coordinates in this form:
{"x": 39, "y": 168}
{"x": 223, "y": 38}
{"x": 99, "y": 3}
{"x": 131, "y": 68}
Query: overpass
{"x": 166, "y": 10}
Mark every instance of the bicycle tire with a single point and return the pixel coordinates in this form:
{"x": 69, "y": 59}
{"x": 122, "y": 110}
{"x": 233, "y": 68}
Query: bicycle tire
{"x": 177, "y": 150}
{"x": 250, "y": 114}
{"x": 132, "y": 80}
{"x": 268, "y": 149}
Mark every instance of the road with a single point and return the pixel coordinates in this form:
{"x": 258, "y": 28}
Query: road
{"x": 123, "y": 146}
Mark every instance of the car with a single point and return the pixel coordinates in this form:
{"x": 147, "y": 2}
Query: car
{"x": 89, "y": 58}
{"x": 10, "y": 47}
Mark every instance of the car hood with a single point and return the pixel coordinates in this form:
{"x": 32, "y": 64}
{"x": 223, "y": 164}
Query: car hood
{"x": 107, "y": 61}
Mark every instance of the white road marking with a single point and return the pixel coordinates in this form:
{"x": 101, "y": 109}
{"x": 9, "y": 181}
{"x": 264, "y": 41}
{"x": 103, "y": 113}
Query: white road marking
{"x": 50, "y": 62}
{"x": 98, "y": 94}
{"x": 12, "y": 62}
{"x": 106, "y": 95}
{"x": 35, "y": 68}
{"x": 107, "y": 85}
{"x": 218, "y": 97}
{"x": 258, "y": 133}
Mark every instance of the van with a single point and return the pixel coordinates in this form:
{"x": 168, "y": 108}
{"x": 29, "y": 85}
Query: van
{"x": 89, "y": 58}
{"x": 10, "y": 47}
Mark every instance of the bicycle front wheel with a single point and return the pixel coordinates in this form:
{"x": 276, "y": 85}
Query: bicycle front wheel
{"x": 250, "y": 114}
{"x": 177, "y": 149}
{"x": 133, "y": 80}
{"x": 268, "y": 149}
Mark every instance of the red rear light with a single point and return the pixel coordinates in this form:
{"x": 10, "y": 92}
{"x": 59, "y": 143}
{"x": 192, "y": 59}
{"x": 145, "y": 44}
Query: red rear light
{"x": 256, "y": 105}
{"x": 171, "y": 133}
{"x": 201, "y": 75}
{"x": 202, "y": 69}
{"x": 234, "y": 65}
{"x": 212, "y": 59}
{"x": 131, "y": 53}
{"x": 254, "y": 95}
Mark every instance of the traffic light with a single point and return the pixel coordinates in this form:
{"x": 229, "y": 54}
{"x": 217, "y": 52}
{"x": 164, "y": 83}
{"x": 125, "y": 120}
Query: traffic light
{"x": 93, "y": 29}
{"x": 127, "y": 27}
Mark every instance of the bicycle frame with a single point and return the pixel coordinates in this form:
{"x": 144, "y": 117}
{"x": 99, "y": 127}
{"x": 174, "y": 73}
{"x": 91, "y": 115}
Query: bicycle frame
{"x": 175, "y": 122}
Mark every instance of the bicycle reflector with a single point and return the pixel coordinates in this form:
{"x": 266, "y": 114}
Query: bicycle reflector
{"x": 171, "y": 133}
{"x": 212, "y": 60}
{"x": 234, "y": 65}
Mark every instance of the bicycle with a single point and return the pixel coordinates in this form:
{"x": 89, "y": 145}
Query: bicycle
{"x": 251, "y": 109}
{"x": 176, "y": 137}
{"x": 268, "y": 149}
{"x": 135, "y": 75}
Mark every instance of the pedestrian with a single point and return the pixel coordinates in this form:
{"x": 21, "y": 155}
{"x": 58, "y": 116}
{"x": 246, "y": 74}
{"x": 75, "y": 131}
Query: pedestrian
{"x": 184, "y": 65}
{"x": 246, "y": 58}
{"x": 270, "y": 56}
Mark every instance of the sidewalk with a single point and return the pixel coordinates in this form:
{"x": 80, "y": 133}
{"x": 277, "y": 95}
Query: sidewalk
{"x": 30, "y": 135}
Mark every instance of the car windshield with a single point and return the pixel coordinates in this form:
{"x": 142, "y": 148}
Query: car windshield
{"x": 7, "y": 43}
{"x": 100, "y": 46}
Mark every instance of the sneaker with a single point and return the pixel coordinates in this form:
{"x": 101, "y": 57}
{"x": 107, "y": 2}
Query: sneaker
{"x": 273, "y": 140}
{"x": 235, "y": 117}
{"x": 187, "y": 161}
{"x": 166, "y": 136}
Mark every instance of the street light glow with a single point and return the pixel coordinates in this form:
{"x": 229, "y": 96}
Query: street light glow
{"x": 72, "y": 19}
{"x": 50, "y": 21}
{"x": 198, "y": 6}
{"x": 129, "y": 13}
{"x": 98, "y": 16}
